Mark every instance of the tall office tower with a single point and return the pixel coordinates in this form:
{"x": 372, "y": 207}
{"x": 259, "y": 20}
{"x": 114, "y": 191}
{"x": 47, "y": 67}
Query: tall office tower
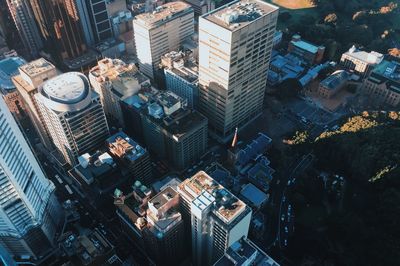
{"x": 27, "y": 82}
{"x": 218, "y": 218}
{"x": 160, "y": 32}
{"x": 133, "y": 156}
{"x": 63, "y": 24}
{"x": 235, "y": 43}
{"x": 164, "y": 235}
{"x": 73, "y": 115}
{"x": 173, "y": 132}
{"x": 201, "y": 7}
{"x": 98, "y": 17}
{"x": 114, "y": 81}
{"x": 24, "y": 19}
{"x": 30, "y": 215}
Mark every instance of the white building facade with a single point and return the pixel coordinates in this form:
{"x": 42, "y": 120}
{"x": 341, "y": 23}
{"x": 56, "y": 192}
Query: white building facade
{"x": 73, "y": 115}
{"x": 160, "y": 32}
{"x": 235, "y": 43}
{"x": 29, "y": 212}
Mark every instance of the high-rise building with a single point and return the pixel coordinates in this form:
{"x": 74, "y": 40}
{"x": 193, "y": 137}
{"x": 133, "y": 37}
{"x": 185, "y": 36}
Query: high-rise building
{"x": 30, "y": 215}
{"x": 160, "y": 32}
{"x": 131, "y": 155}
{"x": 27, "y": 82}
{"x": 64, "y": 26}
{"x": 172, "y": 131}
{"x": 114, "y": 81}
{"x": 164, "y": 237}
{"x": 99, "y": 18}
{"x": 73, "y": 115}
{"x": 218, "y": 218}
{"x": 235, "y": 43}
{"x": 153, "y": 222}
{"x": 181, "y": 75}
{"x": 201, "y": 7}
{"x": 24, "y": 19}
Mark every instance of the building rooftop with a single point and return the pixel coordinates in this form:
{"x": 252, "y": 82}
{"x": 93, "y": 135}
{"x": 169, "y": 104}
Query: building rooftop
{"x": 245, "y": 252}
{"x": 387, "y": 72}
{"x": 372, "y": 57}
{"x": 253, "y": 195}
{"x": 67, "y": 88}
{"x": 225, "y": 205}
{"x": 125, "y": 78}
{"x": 163, "y": 14}
{"x": 36, "y": 67}
{"x": 122, "y": 146}
{"x": 94, "y": 166}
{"x": 182, "y": 64}
{"x": 9, "y": 68}
{"x": 335, "y": 80}
{"x": 306, "y": 46}
{"x": 256, "y": 148}
{"x": 239, "y": 13}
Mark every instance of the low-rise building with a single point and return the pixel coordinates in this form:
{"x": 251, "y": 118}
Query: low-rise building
{"x": 285, "y": 67}
{"x": 253, "y": 196}
{"x": 243, "y": 253}
{"x": 383, "y": 83}
{"x": 359, "y": 61}
{"x": 181, "y": 75}
{"x": 309, "y": 52}
{"x": 131, "y": 155}
{"x": 88, "y": 249}
{"x": 333, "y": 83}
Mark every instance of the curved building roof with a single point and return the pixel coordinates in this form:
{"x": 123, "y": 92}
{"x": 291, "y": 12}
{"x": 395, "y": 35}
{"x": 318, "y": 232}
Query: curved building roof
{"x": 68, "y": 92}
{"x": 8, "y": 68}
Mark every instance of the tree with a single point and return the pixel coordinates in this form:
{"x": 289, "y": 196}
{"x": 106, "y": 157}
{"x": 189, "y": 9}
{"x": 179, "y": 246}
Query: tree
{"x": 330, "y": 18}
{"x": 284, "y": 16}
{"x": 289, "y": 88}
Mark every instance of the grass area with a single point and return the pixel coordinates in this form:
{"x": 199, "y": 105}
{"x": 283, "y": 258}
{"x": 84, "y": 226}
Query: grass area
{"x": 312, "y": 216}
{"x": 293, "y": 4}
{"x": 296, "y": 8}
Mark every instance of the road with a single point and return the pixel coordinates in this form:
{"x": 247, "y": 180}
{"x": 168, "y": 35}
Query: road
{"x": 277, "y": 234}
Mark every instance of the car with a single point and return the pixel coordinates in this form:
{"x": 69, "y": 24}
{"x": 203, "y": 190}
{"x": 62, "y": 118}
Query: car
{"x": 278, "y": 181}
{"x": 289, "y": 207}
{"x": 284, "y": 199}
{"x": 285, "y": 242}
{"x": 288, "y": 183}
{"x": 286, "y": 229}
{"x": 283, "y": 217}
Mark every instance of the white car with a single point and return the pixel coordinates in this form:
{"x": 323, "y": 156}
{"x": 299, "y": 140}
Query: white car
{"x": 285, "y": 242}
{"x": 283, "y": 217}
{"x": 286, "y": 230}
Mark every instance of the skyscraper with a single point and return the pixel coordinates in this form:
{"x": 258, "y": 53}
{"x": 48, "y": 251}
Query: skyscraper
{"x": 73, "y": 115}
{"x": 29, "y": 212}
{"x": 160, "y": 32}
{"x": 235, "y": 43}
{"x": 24, "y": 19}
{"x": 30, "y": 77}
{"x": 218, "y": 218}
{"x": 63, "y": 24}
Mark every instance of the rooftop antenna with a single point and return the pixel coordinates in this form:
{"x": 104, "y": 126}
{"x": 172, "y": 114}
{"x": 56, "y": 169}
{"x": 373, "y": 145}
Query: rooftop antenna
{"x": 235, "y": 138}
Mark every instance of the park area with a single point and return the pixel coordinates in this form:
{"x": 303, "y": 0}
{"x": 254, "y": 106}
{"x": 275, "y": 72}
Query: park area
{"x": 293, "y": 4}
